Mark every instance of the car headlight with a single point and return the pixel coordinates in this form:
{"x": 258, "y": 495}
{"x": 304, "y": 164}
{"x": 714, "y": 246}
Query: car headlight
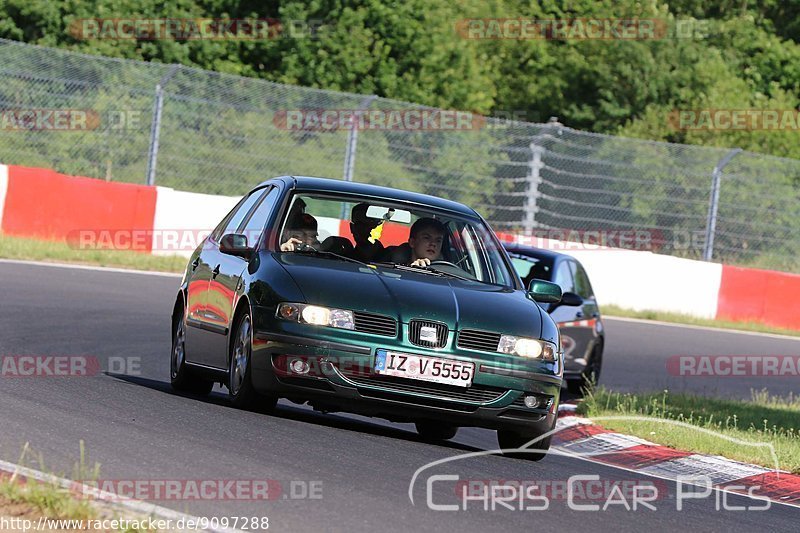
{"x": 316, "y": 315}
{"x": 532, "y": 348}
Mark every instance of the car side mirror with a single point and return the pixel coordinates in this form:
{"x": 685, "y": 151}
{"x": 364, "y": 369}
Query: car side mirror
{"x": 544, "y": 291}
{"x": 570, "y": 298}
{"x": 235, "y": 244}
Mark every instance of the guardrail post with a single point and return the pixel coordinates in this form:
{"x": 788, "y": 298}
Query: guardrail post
{"x": 713, "y": 204}
{"x": 155, "y": 126}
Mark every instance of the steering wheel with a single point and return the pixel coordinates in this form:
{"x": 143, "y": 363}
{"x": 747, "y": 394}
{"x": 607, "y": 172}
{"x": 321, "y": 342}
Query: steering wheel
{"x": 443, "y": 262}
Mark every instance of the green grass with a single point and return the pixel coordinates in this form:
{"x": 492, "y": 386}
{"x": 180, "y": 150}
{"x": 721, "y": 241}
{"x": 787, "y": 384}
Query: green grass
{"x": 677, "y": 318}
{"x": 51, "y": 499}
{"x": 763, "y": 419}
{"x": 39, "y": 250}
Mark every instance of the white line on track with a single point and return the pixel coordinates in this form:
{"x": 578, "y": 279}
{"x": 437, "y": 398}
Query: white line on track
{"x": 89, "y": 267}
{"x": 704, "y": 328}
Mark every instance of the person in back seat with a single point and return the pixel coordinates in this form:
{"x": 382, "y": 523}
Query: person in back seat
{"x": 366, "y": 249}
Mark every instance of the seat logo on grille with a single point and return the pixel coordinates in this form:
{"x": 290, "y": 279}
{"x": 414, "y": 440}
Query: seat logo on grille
{"x": 428, "y": 334}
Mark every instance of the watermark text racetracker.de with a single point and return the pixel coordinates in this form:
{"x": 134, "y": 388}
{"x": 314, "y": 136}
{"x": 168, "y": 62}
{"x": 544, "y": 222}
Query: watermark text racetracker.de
{"x": 261, "y": 489}
{"x": 201, "y": 523}
{"x": 66, "y": 366}
{"x": 734, "y": 366}
{"x": 188, "y": 239}
{"x": 69, "y": 120}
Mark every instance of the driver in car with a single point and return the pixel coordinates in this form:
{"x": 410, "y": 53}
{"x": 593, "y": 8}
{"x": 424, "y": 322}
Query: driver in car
{"x": 424, "y": 244}
{"x": 425, "y": 240}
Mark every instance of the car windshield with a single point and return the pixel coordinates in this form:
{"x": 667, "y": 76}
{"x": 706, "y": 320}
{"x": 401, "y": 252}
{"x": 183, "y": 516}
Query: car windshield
{"x": 394, "y": 236}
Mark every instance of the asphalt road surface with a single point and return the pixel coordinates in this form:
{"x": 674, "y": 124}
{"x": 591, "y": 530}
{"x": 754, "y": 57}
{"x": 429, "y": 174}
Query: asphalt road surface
{"x": 336, "y": 472}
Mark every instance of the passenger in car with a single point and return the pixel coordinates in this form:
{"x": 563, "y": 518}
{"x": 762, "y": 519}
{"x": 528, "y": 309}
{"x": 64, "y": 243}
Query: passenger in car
{"x": 302, "y": 229}
{"x": 361, "y": 226}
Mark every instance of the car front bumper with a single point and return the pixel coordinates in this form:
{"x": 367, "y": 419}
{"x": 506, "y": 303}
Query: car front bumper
{"x": 341, "y": 379}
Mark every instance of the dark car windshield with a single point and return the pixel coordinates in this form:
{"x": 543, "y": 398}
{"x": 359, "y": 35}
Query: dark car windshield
{"x": 388, "y": 235}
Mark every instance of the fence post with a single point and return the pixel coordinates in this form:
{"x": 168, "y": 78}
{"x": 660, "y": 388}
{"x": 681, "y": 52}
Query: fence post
{"x": 155, "y": 126}
{"x": 713, "y": 205}
{"x": 352, "y": 144}
{"x": 534, "y": 179}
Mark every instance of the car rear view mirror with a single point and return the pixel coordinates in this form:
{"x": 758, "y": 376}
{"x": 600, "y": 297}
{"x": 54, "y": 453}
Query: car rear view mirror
{"x": 544, "y": 291}
{"x": 400, "y": 216}
{"x": 235, "y": 244}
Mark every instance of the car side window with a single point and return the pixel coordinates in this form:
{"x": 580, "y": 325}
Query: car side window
{"x": 563, "y": 277}
{"x": 234, "y": 219}
{"x": 582, "y": 285}
{"x": 254, "y": 227}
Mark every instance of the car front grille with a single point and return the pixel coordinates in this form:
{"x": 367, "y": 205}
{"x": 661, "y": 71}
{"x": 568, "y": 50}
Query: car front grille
{"x": 415, "y": 333}
{"x": 375, "y": 324}
{"x": 475, "y": 394}
{"x": 474, "y": 339}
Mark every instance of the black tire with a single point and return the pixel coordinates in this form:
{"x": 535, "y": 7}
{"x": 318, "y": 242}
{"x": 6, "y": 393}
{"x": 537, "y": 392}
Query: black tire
{"x": 513, "y": 440}
{"x": 433, "y": 431}
{"x": 590, "y": 375}
{"x": 181, "y": 377}
{"x": 241, "y": 392}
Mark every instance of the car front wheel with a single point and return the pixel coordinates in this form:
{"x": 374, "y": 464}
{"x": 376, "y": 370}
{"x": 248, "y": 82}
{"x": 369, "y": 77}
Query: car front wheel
{"x": 241, "y": 392}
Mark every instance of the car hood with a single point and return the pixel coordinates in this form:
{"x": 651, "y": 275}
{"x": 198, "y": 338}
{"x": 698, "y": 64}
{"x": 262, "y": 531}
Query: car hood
{"x": 407, "y": 295}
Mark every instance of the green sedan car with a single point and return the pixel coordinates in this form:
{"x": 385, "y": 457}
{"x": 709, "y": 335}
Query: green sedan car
{"x": 369, "y": 300}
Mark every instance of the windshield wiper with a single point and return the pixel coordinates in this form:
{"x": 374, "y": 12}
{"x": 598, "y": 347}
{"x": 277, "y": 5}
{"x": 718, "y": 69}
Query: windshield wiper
{"x": 457, "y": 276}
{"x": 426, "y": 270}
{"x": 408, "y": 268}
{"x": 305, "y": 248}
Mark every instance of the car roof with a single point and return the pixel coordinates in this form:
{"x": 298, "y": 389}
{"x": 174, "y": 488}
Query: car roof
{"x": 539, "y": 253}
{"x": 308, "y": 183}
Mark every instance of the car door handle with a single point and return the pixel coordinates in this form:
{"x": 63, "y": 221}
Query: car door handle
{"x": 595, "y": 315}
{"x": 215, "y": 272}
{"x": 195, "y": 263}
{"x": 579, "y": 314}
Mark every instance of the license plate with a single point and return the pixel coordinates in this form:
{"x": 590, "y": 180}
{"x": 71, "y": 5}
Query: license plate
{"x": 435, "y": 369}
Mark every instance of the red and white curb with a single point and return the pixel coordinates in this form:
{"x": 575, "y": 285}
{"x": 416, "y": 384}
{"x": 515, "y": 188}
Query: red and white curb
{"x": 107, "y": 501}
{"x": 580, "y": 437}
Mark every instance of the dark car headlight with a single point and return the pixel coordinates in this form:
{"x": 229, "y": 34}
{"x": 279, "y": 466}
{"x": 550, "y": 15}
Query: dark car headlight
{"x": 316, "y": 315}
{"x": 524, "y": 347}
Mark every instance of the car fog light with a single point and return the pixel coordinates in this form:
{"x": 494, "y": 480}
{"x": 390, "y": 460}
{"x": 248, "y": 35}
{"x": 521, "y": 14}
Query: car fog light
{"x": 531, "y": 402}
{"x": 298, "y": 366}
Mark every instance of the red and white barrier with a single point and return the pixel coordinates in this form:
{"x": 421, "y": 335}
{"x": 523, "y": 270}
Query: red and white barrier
{"x": 186, "y": 216}
{"x": 44, "y": 204}
{"x": 3, "y": 189}
{"x": 47, "y": 205}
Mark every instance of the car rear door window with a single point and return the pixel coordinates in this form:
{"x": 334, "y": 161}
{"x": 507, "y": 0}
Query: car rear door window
{"x": 563, "y": 277}
{"x": 582, "y": 285}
